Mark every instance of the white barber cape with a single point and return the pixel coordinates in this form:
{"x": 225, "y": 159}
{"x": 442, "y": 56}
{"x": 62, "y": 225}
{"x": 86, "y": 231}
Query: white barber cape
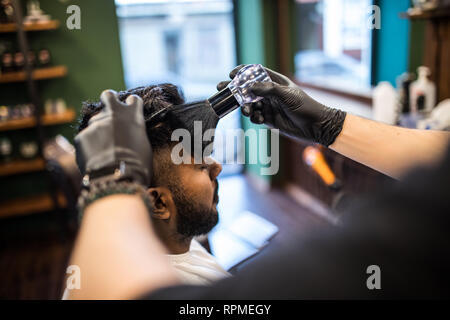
{"x": 197, "y": 266}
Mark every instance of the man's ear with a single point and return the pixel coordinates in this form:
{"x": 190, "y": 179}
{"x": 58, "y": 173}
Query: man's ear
{"x": 162, "y": 202}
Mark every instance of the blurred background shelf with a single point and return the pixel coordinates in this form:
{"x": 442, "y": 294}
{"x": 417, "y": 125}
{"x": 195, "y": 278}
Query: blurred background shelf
{"x": 47, "y": 120}
{"x": 21, "y": 166}
{"x": 442, "y": 13}
{"x": 29, "y": 205}
{"x": 38, "y": 74}
{"x": 36, "y": 26}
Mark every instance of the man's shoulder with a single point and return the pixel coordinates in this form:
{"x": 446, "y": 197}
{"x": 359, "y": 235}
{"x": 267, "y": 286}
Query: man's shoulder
{"x": 195, "y": 245}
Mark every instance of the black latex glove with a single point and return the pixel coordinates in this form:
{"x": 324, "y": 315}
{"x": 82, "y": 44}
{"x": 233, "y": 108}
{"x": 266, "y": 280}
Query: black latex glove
{"x": 115, "y": 142}
{"x": 286, "y": 107}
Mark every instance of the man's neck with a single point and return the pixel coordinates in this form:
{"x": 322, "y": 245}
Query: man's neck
{"x": 178, "y": 246}
{"x": 174, "y": 242}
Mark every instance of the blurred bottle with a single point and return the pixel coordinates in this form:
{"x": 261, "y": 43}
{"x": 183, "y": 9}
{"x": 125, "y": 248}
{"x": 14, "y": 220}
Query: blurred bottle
{"x": 31, "y": 56}
{"x": 44, "y": 57}
{"x": 385, "y": 103}
{"x": 426, "y": 4}
{"x": 5, "y": 113}
{"x": 7, "y": 63}
{"x": 439, "y": 118}
{"x": 6, "y": 11}
{"x": 423, "y": 92}
{"x": 19, "y": 61}
{"x": 404, "y": 91}
{"x": 5, "y": 150}
{"x": 29, "y": 150}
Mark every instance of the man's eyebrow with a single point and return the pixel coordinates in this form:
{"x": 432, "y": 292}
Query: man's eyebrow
{"x": 202, "y": 164}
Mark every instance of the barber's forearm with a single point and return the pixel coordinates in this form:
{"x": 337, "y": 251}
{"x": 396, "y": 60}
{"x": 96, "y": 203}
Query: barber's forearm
{"x": 117, "y": 251}
{"x": 389, "y": 149}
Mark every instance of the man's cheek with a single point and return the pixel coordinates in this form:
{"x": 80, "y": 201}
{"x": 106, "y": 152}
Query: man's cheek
{"x": 206, "y": 196}
{"x": 198, "y": 186}
{"x": 196, "y": 192}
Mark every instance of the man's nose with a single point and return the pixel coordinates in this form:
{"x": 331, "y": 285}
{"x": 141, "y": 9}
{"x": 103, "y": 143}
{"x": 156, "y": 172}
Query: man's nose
{"x": 215, "y": 168}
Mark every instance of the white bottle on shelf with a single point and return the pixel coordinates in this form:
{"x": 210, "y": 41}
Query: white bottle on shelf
{"x": 385, "y": 103}
{"x": 423, "y": 92}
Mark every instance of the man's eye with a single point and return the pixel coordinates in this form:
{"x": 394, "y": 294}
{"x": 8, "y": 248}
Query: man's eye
{"x": 204, "y": 167}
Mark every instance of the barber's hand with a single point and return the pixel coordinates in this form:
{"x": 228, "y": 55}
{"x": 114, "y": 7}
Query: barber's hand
{"x": 115, "y": 142}
{"x": 285, "y": 106}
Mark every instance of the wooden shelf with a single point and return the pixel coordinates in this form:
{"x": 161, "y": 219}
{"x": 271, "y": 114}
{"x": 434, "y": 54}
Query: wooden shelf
{"x": 443, "y": 13}
{"x": 38, "y": 74}
{"x": 53, "y": 119}
{"x": 21, "y": 166}
{"x": 47, "y": 120}
{"x": 29, "y": 205}
{"x": 35, "y": 26}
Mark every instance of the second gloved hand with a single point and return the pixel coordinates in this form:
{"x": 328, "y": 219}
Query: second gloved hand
{"x": 287, "y": 107}
{"x": 115, "y": 143}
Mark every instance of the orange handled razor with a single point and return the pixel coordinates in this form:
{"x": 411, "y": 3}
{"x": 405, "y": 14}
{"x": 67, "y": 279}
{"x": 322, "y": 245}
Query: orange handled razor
{"x": 315, "y": 159}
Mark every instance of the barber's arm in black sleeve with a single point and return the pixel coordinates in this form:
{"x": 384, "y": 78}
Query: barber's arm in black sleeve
{"x": 402, "y": 231}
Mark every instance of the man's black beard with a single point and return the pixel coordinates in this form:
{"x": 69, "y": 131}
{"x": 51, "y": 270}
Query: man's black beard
{"x": 192, "y": 218}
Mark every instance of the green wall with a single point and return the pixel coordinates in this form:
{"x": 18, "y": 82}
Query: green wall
{"x": 92, "y": 56}
{"x": 256, "y": 44}
{"x": 416, "y": 45}
{"x": 250, "y": 31}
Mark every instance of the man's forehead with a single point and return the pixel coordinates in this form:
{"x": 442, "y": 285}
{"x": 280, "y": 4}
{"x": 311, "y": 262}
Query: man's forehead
{"x": 179, "y": 157}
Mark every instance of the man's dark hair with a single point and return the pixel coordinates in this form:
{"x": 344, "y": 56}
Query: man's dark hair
{"x": 192, "y": 219}
{"x": 155, "y": 97}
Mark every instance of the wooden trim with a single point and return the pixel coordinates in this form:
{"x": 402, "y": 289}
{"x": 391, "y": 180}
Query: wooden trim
{"x": 440, "y": 13}
{"x": 354, "y": 96}
{"x": 21, "y": 166}
{"x": 284, "y": 43}
{"x": 47, "y": 120}
{"x": 35, "y": 26}
{"x": 52, "y": 119}
{"x": 29, "y": 205}
{"x": 38, "y": 74}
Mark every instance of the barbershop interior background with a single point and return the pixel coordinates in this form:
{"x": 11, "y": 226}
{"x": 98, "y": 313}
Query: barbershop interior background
{"x": 344, "y": 53}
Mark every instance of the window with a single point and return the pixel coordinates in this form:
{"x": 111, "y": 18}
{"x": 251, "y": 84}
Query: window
{"x": 334, "y": 44}
{"x": 190, "y": 43}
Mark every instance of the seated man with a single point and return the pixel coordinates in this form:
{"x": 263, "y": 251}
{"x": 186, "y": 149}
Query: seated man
{"x": 185, "y": 196}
